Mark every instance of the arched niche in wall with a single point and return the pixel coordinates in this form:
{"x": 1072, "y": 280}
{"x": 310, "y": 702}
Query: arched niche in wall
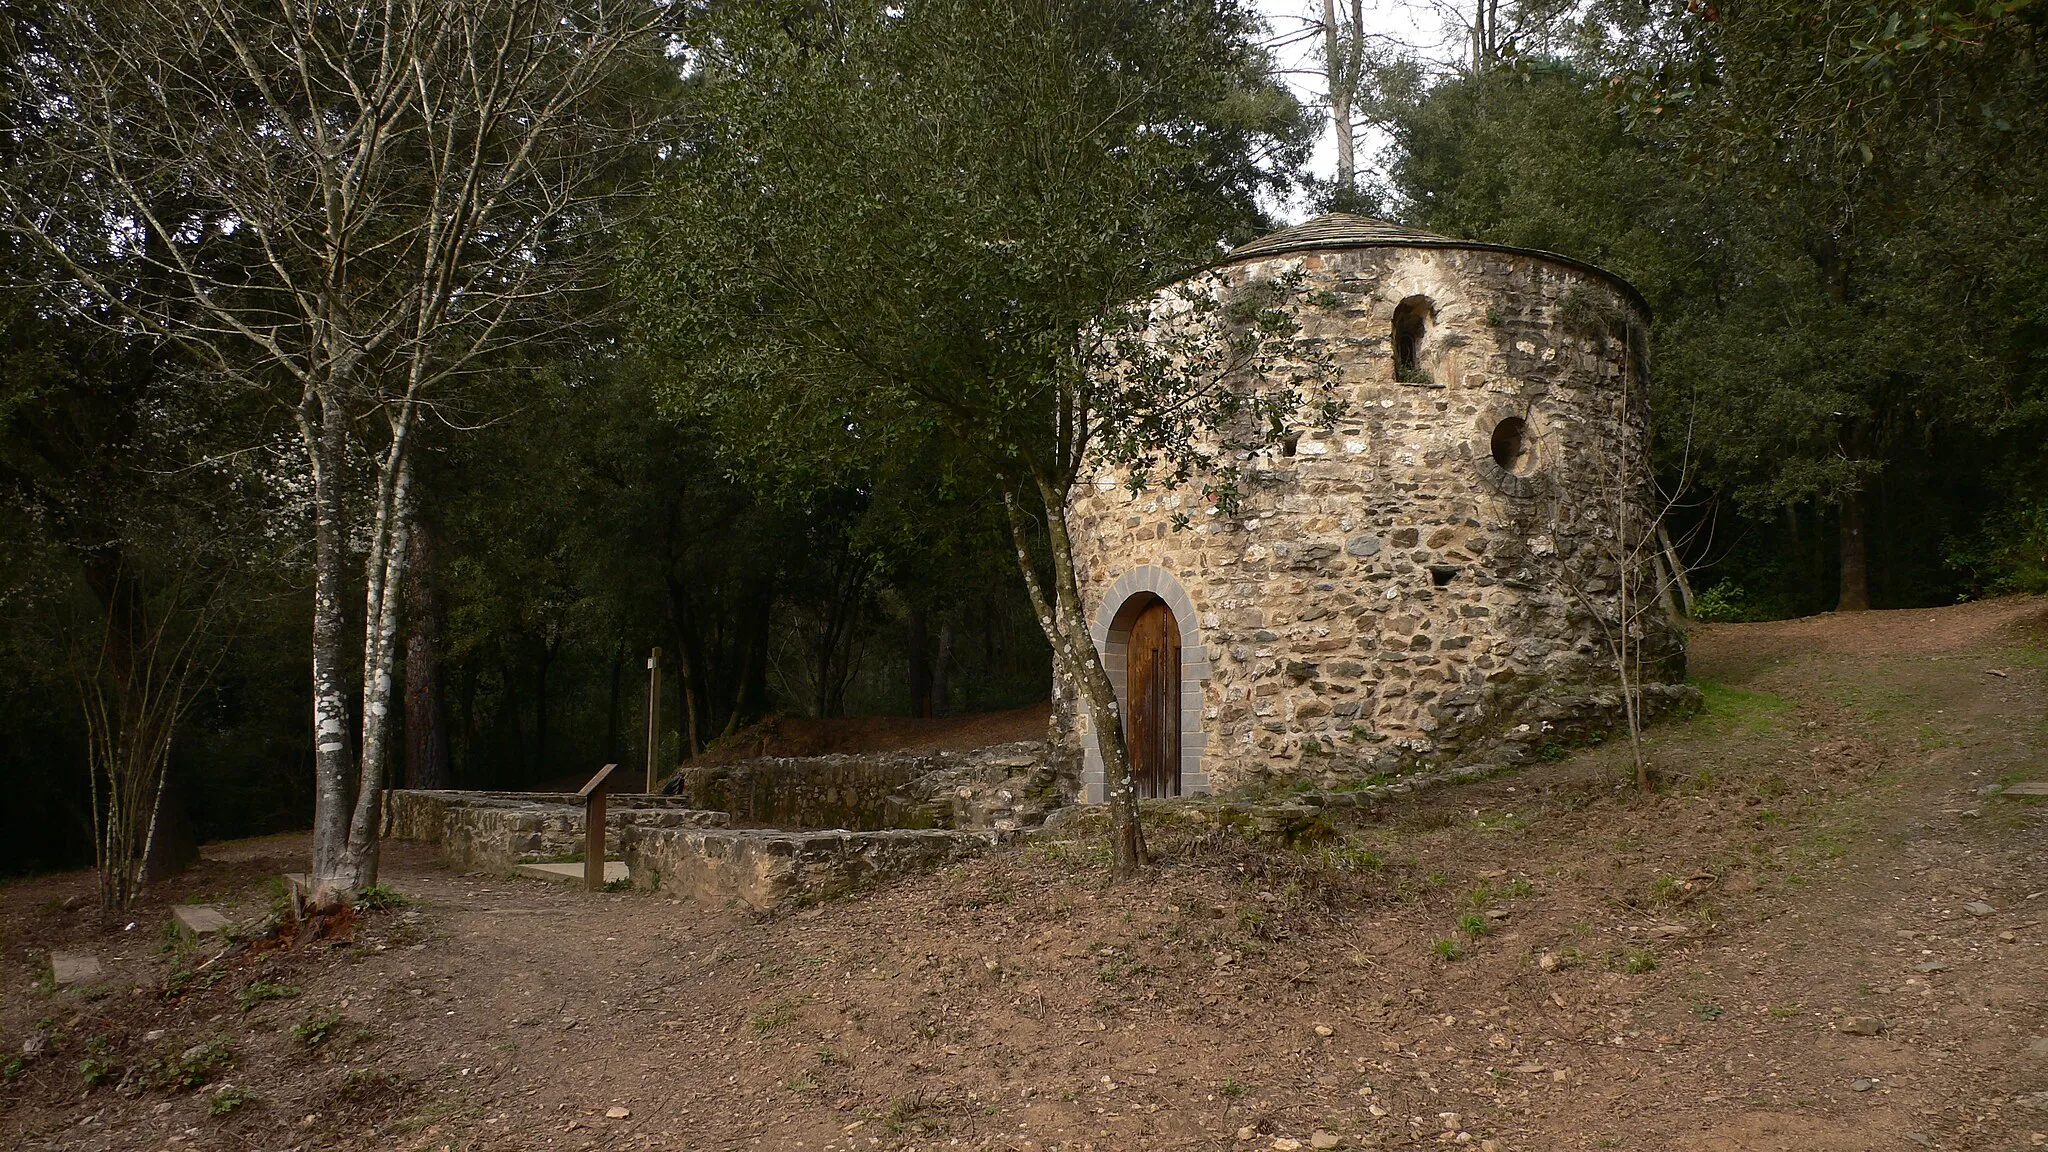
{"x": 1414, "y": 324}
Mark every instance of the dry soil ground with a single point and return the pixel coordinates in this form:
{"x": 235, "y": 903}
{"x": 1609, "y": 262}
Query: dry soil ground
{"x": 1544, "y": 961}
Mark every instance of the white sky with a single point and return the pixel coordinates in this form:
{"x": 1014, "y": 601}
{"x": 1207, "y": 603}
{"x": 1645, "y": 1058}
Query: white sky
{"x": 1419, "y": 24}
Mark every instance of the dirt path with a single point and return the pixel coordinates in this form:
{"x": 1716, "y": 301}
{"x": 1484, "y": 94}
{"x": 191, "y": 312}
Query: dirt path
{"x": 1678, "y": 971}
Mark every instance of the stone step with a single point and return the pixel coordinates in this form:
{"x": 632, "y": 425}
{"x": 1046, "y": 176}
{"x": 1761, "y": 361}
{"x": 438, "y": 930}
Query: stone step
{"x": 614, "y": 870}
{"x": 68, "y": 968}
{"x": 198, "y": 919}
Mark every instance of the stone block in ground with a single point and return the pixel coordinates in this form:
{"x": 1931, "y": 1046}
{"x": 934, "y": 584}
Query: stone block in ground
{"x": 68, "y": 968}
{"x": 614, "y": 870}
{"x": 2028, "y": 788}
{"x": 198, "y": 919}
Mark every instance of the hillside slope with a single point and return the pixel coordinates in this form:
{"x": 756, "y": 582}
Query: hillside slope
{"x": 1548, "y": 960}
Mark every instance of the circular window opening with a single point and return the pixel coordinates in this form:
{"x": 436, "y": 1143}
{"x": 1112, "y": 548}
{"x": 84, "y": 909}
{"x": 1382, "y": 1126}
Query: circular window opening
{"x": 1511, "y": 447}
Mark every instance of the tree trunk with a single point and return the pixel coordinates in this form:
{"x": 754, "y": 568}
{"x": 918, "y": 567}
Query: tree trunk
{"x": 686, "y": 687}
{"x": 384, "y": 580}
{"x": 426, "y": 706}
{"x": 345, "y": 835}
{"x": 611, "y": 712}
{"x": 507, "y": 745}
{"x": 750, "y": 693}
{"x": 466, "y": 723}
{"x": 1343, "y": 85}
{"x": 941, "y": 668}
{"x": 1813, "y": 557}
{"x": 170, "y": 845}
{"x": 540, "y": 709}
{"x": 326, "y": 444}
{"x": 920, "y": 663}
{"x": 1064, "y": 621}
{"x": 1344, "y": 73}
{"x": 1676, "y": 567}
{"x": 1855, "y": 592}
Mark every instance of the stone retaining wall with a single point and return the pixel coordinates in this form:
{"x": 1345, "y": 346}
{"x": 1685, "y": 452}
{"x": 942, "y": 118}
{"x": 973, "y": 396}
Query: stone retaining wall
{"x": 763, "y": 868}
{"x": 495, "y": 831}
{"x": 1006, "y": 786}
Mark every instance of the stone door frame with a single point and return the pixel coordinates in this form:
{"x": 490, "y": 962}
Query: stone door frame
{"x": 1125, "y": 599}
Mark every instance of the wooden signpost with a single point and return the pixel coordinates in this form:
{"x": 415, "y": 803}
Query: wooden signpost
{"x": 592, "y": 796}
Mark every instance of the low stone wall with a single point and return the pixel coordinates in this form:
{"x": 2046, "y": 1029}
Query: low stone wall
{"x": 853, "y": 792}
{"x": 496, "y": 831}
{"x": 763, "y": 868}
{"x": 1005, "y": 786}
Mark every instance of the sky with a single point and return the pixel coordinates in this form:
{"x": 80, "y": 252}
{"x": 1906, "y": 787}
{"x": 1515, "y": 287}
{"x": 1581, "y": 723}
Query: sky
{"x": 1419, "y": 25}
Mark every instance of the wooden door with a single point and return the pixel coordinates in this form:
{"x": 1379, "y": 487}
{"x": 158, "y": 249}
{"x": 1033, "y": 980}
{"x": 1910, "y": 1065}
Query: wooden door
{"x": 1152, "y": 714}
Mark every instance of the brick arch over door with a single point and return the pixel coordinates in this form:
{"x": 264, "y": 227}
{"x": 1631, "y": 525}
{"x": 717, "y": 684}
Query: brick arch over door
{"x": 1126, "y": 598}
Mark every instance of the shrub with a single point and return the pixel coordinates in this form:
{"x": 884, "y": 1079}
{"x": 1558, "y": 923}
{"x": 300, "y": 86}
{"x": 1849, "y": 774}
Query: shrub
{"x": 192, "y": 1067}
{"x": 314, "y": 1030}
{"x": 378, "y": 897}
{"x": 262, "y": 990}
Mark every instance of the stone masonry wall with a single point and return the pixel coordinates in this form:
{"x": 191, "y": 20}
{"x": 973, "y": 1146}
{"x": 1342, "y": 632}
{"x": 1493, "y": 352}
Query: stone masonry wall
{"x": 1004, "y": 786}
{"x": 761, "y": 868}
{"x": 671, "y": 847}
{"x": 494, "y": 831}
{"x": 1387, "y": 593}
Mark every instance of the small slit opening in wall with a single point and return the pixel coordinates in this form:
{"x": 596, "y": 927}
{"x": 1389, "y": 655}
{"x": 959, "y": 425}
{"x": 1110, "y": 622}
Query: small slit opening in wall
{"x": 1289, "y": 443}
{"x": 1441, "y": 575}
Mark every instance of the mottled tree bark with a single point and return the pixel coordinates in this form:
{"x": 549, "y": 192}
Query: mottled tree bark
{"x": 324, "y": 429}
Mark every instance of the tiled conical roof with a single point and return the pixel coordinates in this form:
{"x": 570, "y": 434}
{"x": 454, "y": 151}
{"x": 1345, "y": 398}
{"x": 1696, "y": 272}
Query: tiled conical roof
{"x": 1344, "y": 230}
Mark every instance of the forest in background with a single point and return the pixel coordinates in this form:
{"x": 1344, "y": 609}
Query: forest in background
{"x": 1834, "y": 212}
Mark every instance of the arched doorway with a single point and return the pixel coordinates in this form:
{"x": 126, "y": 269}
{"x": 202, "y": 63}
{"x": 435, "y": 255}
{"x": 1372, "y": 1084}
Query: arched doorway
{"x": 1152, "y": 705}
{"x": 1176, "y": 665}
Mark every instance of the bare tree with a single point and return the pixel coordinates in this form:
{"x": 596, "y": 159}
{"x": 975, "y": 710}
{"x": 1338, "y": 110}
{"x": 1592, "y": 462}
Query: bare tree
{"x": 1497, "y": 34}
{"x": 1619, "y": 574}
{"x": 1344, "y": 61}
{"x": 347, "y": 207}
{"x": 153, "y": 651}
{"x": 1362, "y": 73}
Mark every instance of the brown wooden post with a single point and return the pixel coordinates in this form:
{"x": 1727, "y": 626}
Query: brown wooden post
{"x": 592, "y": 796}
{"x": 653, "y": 717}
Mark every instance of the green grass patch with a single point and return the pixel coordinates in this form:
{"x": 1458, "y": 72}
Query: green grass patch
{"x": 1741, "y": 709}
{"x": 781, "y": 1015}
{"x": 1349, "y": 857}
